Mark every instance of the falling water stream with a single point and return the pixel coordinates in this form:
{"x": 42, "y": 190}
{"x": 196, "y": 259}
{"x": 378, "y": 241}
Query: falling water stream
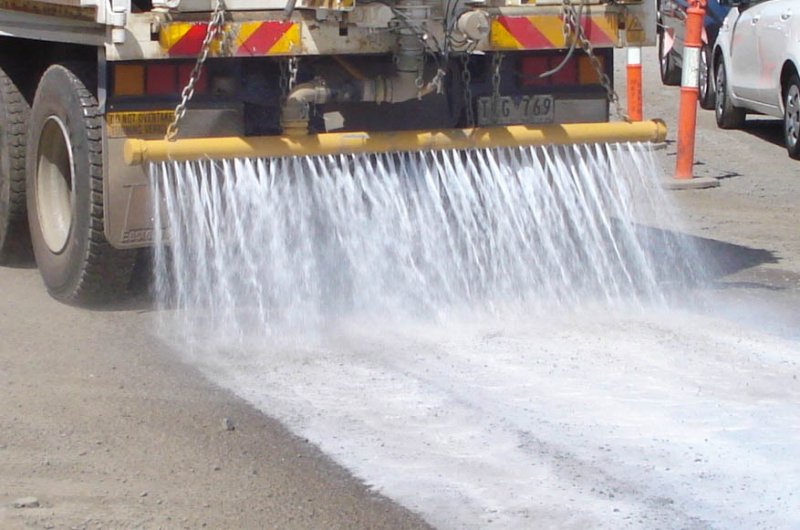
{"x": 488, "y": 337}
{"x": 260, "y": 244}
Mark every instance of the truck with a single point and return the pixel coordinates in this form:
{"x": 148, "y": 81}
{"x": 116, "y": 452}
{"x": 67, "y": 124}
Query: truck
{"x": 93, "y": 91}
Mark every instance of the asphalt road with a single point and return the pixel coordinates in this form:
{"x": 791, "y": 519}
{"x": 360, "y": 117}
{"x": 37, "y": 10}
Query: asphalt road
{"x": 108, "y": 427}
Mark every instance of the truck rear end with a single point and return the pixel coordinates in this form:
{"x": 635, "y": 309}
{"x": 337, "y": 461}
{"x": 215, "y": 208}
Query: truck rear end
{"x": 139, "y": 82}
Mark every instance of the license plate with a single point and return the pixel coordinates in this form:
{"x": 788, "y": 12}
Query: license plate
{"x": 515, "y": 109}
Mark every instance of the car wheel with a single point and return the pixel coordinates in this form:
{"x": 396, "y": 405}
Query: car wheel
{"x": 706, "y": 85}
{"x": 791, "y": 116}
{"x": 65, "y": 191}
{"x": 670, "y": 73}
{"x": 728, "y": 116}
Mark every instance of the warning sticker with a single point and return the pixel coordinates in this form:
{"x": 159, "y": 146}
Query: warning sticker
{"x": 635, "y": 31}
{"x": 147, "y": 123}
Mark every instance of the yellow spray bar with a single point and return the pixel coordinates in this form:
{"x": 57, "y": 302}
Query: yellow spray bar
{"x": 139, "y": 151}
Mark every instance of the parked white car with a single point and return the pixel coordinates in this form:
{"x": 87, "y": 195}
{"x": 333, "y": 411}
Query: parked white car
{"x": 757, "y": 60}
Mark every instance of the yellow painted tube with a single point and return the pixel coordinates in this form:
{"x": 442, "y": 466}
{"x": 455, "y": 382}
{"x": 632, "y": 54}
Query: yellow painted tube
{"x": 139, "y": 151}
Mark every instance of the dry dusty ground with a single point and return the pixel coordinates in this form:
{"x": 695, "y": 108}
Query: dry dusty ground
{"x": 108, "y": 430}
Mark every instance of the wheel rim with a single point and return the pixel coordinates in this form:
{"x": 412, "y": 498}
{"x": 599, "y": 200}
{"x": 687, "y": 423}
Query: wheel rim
{"x": 662, "y": 57}
{"x": 720, "y": 89}
{"x": 792, "y": 117}
{"x": 54, "y": 184}
{"x": 704, "y": 74}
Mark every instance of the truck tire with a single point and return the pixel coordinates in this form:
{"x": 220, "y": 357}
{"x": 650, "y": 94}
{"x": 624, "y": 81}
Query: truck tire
{"x": 728, "y": 116}
{"x": 14, "y": 115}
{"x": 65, "y": 192}
{"x": 791, "y": 116}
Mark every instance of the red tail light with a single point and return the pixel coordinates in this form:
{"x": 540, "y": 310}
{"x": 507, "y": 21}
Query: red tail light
{"x": 161, "y": 79}
{"x": 532, "y": 67}
{"x": 578, "y": 70}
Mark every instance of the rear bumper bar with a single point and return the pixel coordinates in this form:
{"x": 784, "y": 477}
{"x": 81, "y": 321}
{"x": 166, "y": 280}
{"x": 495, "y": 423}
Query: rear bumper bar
{"x": 137, "y": 151}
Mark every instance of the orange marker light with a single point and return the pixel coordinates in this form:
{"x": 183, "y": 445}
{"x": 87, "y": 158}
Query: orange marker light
{"x": 587, "y": 75}
{"x": 128, "y": 79}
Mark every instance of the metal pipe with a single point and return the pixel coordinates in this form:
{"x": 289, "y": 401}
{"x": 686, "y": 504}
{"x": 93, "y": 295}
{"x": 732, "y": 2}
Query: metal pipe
{"x": 139, "y": 151}
{"x": 295, "y": 110}
{"x": 402, "y": 86}
{"x": 288, "y": 9}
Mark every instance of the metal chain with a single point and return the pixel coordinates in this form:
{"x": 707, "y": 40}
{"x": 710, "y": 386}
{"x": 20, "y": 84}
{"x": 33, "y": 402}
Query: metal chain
{"x": 283, "y": 80}
{"x": 288, "y": 78}
{"x": 215, "y": 27}
{"x": 466, "y": 80}
{"x": 571, "y": 22}
{"x": 497, "y": 61}
{"x": 293, "y": 66}
{"x": 572, "y": 27}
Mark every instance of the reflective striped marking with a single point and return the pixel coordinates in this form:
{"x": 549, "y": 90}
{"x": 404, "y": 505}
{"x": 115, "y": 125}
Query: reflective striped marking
{"x": 545, "y": 31}
{"x": 183, "y": 38}
{"x": 264, "y": 38}
{"x": 255, "y": 38}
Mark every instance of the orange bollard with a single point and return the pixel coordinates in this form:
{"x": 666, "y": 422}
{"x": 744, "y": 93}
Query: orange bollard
{"x": 687, "y": 113}
{"x": 634, "y": 73}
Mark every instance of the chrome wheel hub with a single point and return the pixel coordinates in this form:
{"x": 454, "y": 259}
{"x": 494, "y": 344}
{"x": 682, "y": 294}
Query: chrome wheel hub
{"x": 54, "y": 193}
{"x": 792, "y": 116}
{"x": 720, "y": 89}
{"x": 704, "y": 72}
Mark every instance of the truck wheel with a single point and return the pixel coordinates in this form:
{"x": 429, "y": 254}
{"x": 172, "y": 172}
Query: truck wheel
{"x": 706, "y": 94}
{"x": 791, "y": 116}
{"x": 728, "y": 116}
{"x": 65, "y": 192}
{"x": 14, "y": 116}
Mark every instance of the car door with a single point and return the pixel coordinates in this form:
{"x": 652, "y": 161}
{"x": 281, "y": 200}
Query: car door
{"x": 772, "y": 35}
{"x": 745, "y": 68}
